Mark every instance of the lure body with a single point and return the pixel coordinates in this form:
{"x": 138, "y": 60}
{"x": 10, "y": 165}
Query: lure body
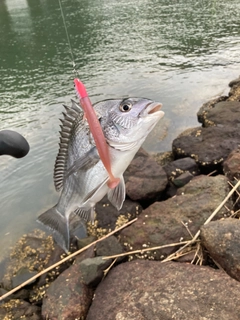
{"x": 96, "y": 131}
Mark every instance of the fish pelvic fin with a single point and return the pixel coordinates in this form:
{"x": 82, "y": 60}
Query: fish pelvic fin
{"x": 117, "y": 195}
{"x": 58, "y": 224}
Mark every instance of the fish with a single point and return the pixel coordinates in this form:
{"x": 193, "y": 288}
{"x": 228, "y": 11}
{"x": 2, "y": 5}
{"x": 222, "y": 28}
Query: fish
{"x": 96, "y": 131}
{"x": 79, "y": 173}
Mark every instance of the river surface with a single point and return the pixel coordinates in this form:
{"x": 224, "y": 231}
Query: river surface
{"x": 181, "y": 53}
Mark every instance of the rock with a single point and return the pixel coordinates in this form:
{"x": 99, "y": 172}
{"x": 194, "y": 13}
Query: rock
{"x": 234, "y": 82}
{"x": 208, "y": 106}
{"x": 31, "y": 252}
{"x": 108, "y": 217}
{"x": 209, "y": 147}
{"x": 19, "y": 309}
{"x": 92, "y": 270}
{"x": 223, "y": 113}
{"x": 22, "y": 275}
{"x": 183, "y": 179}
{"x": 163, "y": 158}
{"x": 38, "y": 291}
{"x": 150, "y": 290}
{"x": 175, "y": 168}
{"x": 222, "y": 238}
{"x": 234, "y": 94}
{"x": 85, "y": 241}
{"x": 109, "y": 247}
{"x": 231, "y": 166}
{"x": 67, "y": 298}
{"x": 145, "y": 179}
{"x": 162, "y": 222}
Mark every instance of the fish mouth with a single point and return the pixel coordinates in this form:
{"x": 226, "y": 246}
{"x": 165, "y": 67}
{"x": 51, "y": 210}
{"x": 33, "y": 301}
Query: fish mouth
{"x": 152, "y": 108}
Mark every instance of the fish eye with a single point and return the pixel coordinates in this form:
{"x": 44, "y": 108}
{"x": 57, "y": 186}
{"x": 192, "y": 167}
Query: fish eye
{"x": 125, "y": 107}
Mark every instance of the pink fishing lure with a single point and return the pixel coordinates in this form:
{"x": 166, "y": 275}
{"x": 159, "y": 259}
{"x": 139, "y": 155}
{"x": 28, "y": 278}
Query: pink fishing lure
{"x": 96, "y": 131}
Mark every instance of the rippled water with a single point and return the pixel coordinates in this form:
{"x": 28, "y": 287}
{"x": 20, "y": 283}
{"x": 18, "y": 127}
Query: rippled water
{"x": 180, "y": 53}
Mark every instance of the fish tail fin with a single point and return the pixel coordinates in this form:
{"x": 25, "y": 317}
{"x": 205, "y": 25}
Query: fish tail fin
{"x": 57, "y": 223}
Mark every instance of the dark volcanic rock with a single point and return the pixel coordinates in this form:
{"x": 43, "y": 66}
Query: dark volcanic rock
{"x": 19, "y": 309}
{"x": 175, "y": 168}
{"x": 161, "y": 223}
{"x": 150, "y": 290}
{"x": 222, "y": 239}
{"x": 224, "y": 113}
{"x": 145, "y": 179}
{"x": 208, "y": 146}
{"x": 67, "y": 298}
{"x": 231, "y": 166}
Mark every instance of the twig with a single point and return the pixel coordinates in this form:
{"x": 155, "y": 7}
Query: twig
{"x": 193, "y": 240}
{"x": 64, "y": 260}
{"x": 105, "y": 272}
{"x": 144, "y": 250}
{"x": 188, "y": 230}
{"x": 211, "y": 173}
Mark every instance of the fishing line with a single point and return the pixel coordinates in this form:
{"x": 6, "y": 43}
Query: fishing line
{"x": 68, "y": 38}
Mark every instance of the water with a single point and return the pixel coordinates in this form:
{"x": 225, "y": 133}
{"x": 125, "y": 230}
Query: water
{"x": 181, "y": 53}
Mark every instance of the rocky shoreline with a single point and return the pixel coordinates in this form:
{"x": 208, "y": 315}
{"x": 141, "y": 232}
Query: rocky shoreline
{"x": 172, "y": 195}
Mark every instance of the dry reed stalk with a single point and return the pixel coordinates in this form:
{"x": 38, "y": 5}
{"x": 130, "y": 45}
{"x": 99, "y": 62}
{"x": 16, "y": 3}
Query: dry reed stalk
{"x": 145, "y": 250}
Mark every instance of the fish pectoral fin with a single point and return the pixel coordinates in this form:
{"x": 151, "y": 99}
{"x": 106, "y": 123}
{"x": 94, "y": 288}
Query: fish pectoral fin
{"x": 84, "y": 163}
{"x": 57, "y": 223}
{"x": 86, "y": 214}
{"x": 117, "y": 195}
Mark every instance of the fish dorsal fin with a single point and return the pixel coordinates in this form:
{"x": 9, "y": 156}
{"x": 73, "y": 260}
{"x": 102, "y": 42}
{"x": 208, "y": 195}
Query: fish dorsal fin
{"x": 69, "y": 116}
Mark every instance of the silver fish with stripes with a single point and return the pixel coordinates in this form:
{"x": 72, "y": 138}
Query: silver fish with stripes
{"x": 79, "y": 173}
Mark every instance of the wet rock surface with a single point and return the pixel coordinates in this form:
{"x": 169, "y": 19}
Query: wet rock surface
{"x": 147, "y": 290}
{"x": 222, "y": 239}
{"x": 163, "y": 222}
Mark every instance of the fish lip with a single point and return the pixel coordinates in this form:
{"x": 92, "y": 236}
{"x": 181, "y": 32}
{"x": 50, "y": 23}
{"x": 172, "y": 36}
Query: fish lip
{"x": 153, "y": 108}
